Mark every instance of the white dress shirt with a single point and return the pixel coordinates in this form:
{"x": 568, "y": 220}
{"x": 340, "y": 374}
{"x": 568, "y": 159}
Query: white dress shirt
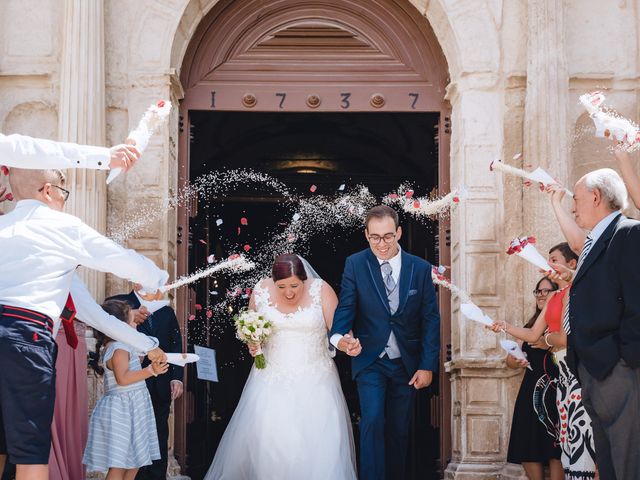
{"x": 89, "y": 312}
{"x": 40, "y": 249}
{"x": 20, "y": 151}
{"x": 391, "y": 349}
{"x": 602, "y": 225}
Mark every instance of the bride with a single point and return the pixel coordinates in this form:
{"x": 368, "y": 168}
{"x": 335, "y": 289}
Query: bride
{"x": 292, "y": 421}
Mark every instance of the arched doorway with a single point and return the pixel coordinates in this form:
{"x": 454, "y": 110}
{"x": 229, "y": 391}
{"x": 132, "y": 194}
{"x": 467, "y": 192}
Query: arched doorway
{"x": 252, "y": 63}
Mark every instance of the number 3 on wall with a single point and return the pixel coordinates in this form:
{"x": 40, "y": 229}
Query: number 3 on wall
{"x": 345, "y": 100}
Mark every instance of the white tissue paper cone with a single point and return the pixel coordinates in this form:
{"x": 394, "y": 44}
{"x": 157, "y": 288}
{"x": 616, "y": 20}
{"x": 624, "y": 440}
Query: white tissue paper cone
{"x": 181, "y": 359}
{"x": 152, "y": 119}
{"x": 473, "y": 312}
{"x": 531, "y": 255}
{"x": 513, "y": 349}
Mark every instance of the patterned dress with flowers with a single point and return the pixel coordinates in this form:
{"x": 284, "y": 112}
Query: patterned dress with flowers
{"x": 576, "y": 435}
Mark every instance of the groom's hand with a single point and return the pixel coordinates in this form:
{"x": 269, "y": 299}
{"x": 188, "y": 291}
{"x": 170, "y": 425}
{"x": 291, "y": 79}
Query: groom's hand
{"x": 349, "y": 345}
{"x": 421, "y": 379}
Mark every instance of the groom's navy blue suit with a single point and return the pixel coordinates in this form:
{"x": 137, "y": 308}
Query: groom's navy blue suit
{"x": 383, "y": 384}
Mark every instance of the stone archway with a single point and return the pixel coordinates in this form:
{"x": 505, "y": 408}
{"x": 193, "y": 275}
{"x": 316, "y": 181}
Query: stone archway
{"x": 294, "y": 56}
{"x": 468, "y": 35}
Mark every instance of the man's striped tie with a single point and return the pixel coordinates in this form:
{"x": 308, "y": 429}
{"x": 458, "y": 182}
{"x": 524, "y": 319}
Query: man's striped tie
{"x": 585, "y": 251}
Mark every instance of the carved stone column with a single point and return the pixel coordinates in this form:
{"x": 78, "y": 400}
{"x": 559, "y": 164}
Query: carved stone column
{"x": 81, "y": 117}
{"x": 546, "y": 130}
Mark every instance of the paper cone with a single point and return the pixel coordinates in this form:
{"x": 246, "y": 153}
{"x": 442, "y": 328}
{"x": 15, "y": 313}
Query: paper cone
{"x": 531, "y": 255}
{"x": 473, "y": 312}
{"x": 513, "y": 349}
{"x": 181, "y": 359}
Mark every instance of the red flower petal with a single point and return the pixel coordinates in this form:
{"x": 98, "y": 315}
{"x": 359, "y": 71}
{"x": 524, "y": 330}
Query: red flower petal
{"x": 234, "y": 256}
{"x": 209, "y": 314}
{"x": 409, "y": 194}
{"x": 247, "y": 248}
{"x": 248, "y": 291}
{"x": 393, "y": 195}
{"x": 161, "y": 104}
{"x": 198, "y": 306}
{"x": 9, "y": 197}
{"x": 456, "y": 199}
{"x": 192, "y": 317}
{"x": 243, "y": 221}
{"x": 416, "y": 204}
{"x": 238, "y": 230}
{"x": 313, "y": 188}
{"x": 204, "y": 242}
{"x": 5, "y": 170}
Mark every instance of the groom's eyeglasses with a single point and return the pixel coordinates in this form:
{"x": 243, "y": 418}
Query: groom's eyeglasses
{"x": 375, "y": 239}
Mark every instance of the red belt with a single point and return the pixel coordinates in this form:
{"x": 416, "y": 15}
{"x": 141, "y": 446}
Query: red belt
{"x": 28, "y": 315}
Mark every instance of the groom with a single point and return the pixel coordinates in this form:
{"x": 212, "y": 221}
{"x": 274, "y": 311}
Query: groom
{"x": 387, "y": 298}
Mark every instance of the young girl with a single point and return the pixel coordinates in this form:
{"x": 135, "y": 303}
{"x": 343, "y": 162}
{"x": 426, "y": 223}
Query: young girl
{"x": 122, "y": 429}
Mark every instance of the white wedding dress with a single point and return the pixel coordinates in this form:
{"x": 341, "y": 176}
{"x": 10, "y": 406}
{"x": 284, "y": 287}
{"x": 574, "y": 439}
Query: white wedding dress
{"x": 292, "y": 422}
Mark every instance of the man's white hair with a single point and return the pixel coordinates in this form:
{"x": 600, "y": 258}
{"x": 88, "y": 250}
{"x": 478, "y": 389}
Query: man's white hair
{"x": 610, "y": 185}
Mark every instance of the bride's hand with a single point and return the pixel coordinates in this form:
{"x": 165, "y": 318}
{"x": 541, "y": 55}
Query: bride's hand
{"x": 349, "y": 345}
{"x": 253, "y": 348}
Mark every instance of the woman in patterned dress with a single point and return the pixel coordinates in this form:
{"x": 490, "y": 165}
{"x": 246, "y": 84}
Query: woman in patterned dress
{"x": 575, "y": 432}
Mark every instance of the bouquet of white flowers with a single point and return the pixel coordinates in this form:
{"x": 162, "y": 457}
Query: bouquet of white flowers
{"x": 252, "y": 327}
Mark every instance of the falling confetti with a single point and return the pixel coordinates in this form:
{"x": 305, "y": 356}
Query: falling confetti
{"x": 425, "y": 207}
{"x": 439, "y": 279}
{"x": 211, "y": 259}
{"x": 219, "y": 222}
{"x": 237, "y": 264}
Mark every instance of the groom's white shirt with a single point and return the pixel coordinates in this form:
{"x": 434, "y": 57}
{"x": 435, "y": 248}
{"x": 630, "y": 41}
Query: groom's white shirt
{"x": 392, "y": 350}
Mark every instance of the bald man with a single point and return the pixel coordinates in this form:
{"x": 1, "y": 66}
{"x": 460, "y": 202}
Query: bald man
{"x": 34, "y": 153}
{"x": 40, "y": 248}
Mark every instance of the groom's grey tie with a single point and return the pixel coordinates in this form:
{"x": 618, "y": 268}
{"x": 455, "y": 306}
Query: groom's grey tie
{"x": 391, "y": 286}
{"x": 393, "y": 295}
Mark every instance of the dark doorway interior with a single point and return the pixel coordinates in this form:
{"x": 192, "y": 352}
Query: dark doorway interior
{"x": 379, "y": 150}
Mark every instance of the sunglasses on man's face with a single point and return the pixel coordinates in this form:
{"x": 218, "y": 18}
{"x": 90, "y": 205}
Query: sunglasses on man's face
{"x": 65, "y": 192}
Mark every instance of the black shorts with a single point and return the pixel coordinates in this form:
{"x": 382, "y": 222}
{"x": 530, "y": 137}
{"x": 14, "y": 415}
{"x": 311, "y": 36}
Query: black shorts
{"x": 27, "y": 386}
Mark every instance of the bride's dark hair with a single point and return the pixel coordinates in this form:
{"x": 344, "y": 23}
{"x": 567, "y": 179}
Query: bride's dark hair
{"x": 288, "y": 265}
